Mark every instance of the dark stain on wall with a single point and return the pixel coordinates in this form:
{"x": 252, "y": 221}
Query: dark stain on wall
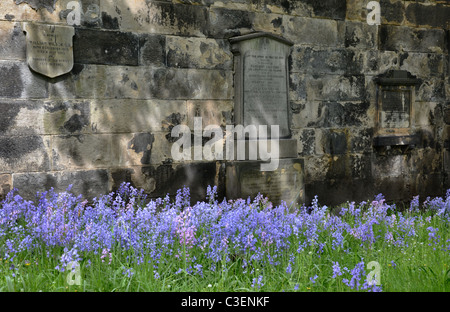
{"x": 39, "y": 4}
{"x": 171, "y": 121}
{"x": 196, "y": 176}
{"x": 108, "y": 22}
{"x": 13, "y": 148}
{"x": 152, "y": 49}
{"x": 75, "y": 123}
{"x": 430, "y": 15}
{"x": 11, "y": 82}
{"x": 110, "y": 48}
{"x": 392, "y": 11}
{"x": 9, "y": 113}
{"x": 334, "y": 9}
{"x": 142, "y": 143}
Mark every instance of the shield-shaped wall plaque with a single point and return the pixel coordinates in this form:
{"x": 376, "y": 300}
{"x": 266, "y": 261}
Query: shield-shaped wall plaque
{"x": 49, "y": 48}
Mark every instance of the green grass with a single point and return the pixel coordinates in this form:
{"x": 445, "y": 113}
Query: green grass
{"x": 419, "y": 265}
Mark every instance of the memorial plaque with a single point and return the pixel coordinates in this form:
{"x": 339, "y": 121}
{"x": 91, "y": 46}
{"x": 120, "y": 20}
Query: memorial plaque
{"x": 265, "y": 100}
{"x": 262, "y": 99}
{"x": 284, "y": 184}
{"x": 395, "y": 109}
{"x": 262, "y": 81}
{"x": 49, "y": 48}
{"x": 395, "y": 104}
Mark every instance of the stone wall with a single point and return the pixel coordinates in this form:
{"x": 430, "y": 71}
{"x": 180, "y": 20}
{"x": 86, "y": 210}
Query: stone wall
{"x": 143, "y": 67}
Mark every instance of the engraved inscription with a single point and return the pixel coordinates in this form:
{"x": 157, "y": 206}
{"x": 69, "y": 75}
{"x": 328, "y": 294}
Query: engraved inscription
{"x": 395, "y": 109}
{"x": 49, "y": 49}
{"x": 277, "y": 185}
{"x": 265, "y": 89}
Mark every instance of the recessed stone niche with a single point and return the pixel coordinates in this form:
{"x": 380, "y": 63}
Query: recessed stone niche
{"x": 395, "y": 110}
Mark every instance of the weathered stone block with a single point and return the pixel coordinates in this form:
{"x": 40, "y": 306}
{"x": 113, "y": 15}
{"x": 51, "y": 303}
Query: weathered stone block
{"x": 336, "y": 88}
{"x": 198, "y": 53}
{"x": 119, "y": 82}
{"x": 399, "y": 38}
{"x": 90, "y": 184}
{"x": 212, "y": 112}
{"x": 392, "y": 11}
{"x": 360, "y": 35}
{"x": 152, "y": 50}
{"x": 326, "y": 61}
{"x": 434, "y": 15}
{"x": 168, "y": 178}
{"x": 361, "y": 166}
{"x": 423, "y": 65}
{"x": 425, "y": 160}
{"x": 158, "y": 17}
{"x": 84, "y": 151}
{"x": 335, "y": 192}
{"x": 335, "y": 142}
{"x": 142, "y": 145}
{"x": 303, "y": 114}
{"x": 188, "y": 84}
{"x": 356, "y": 10}
{"x": 66, "y": 117}
{"x": 11, "y": 10}
{"x": 314, "y": 31}
{"x": 298, "y": 8}
{"x": 331, "y": 114}
{"x": 91, "y": 46}
{"x": 297, "y": 87}
{"x": 430, "y": 185}
{"x": 361, "y": 140}
{"x": 5, "y": 185}
{"x": 25, "y": 153}
{"x": 12, "y": 41}
{"x": 19, "y": 117}
{"x": 316, "y": 168}
{"x": 39, "y": 4}
{"x": 332, "y": 9}
{"x": 18, "y": 81}
{"x": 224, "y": 23}
{"x": 230, "y": 4}
{"x": 33, "y": 117}
{"x": 85, "y": 82}
{"x": 162, "y": 149}
{"x": 424, "y": 113}
{"x": 90, "y": 15}
{"x": 389, "y": 166}
{"x": 130, "y": 116}
{"x": 105, "y": 150}
{"x": 339, "y": 168}
{"x": 431, "y": 90}
{"x": 306, "y": 142}
{"x": 377, "y": 62}
{"x": 244, "y": 179}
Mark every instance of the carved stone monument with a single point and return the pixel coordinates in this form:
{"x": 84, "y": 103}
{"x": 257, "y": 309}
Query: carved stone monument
{"x": 262, "y": 99}
{"x": 49, "y": 48}
{"x": 395, "y": 109}
{"x": 261, "y": 80}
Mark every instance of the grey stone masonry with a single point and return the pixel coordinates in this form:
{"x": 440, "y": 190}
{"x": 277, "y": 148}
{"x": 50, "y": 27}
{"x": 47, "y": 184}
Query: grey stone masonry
{"x": 142, "y": 68}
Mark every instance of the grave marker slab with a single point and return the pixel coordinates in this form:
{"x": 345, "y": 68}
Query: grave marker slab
{"x": 49, "y": 48}
{"x": 262, "y": 99}
{"x": 262, "y": 81}
{"x": 395, "y": 109}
